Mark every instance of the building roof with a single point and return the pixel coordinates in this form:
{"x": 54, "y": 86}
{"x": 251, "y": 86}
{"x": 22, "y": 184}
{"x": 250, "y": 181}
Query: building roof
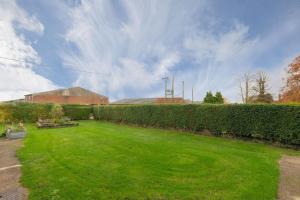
{"x": 14, "y": 101}
{"x": 135, "y": 101}
{"x": 73, "y": 91}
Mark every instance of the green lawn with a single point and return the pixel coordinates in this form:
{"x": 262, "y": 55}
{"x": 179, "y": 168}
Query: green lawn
{"x": 99, "y": 160}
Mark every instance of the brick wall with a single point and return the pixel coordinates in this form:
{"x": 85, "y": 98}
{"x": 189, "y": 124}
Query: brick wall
{"x": 176, "y": 100}
{"x": 81, "y": 100}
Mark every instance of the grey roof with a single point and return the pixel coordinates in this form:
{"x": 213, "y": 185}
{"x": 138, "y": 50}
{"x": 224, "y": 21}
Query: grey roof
{"x": 142, "y": 101}
{"x": 135, "y": 101}
{"x": 13, "y": 101}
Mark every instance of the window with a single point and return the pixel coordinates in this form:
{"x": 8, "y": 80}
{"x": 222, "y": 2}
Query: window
{"x": 66, "y": 93}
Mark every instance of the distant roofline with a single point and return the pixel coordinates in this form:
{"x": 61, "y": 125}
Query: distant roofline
{"x": 13, "y": 100}
{"x": 62, "y": 89}
{"x": 139, "y": 100}
{"x": 149, "y": 98}
{"x": 44, "y": 92}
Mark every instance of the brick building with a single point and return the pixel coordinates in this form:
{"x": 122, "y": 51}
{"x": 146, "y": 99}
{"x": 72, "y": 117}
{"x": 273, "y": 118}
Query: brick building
{"x": 75, "y": 95}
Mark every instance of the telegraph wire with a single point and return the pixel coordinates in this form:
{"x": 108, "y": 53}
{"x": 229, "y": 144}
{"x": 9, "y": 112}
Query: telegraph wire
{"x": 49, "y": 67}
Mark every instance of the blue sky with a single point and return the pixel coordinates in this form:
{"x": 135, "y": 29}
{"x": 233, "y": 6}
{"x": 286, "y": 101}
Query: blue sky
{"x": 122, "y": 48}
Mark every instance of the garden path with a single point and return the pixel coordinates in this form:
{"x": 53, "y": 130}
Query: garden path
{"x": 289, "y": 188}
{"x": 10, "y": 172}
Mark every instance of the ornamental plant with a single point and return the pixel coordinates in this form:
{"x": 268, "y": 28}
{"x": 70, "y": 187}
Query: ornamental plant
{"x": 56, "y": 113}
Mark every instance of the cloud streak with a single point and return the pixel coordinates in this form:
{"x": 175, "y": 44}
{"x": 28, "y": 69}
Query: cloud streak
{"x": 18, "y": 78}
{"x": 133, "y": 44}
{"x": 136, "y": 48}
{"x": 133, "y": 50}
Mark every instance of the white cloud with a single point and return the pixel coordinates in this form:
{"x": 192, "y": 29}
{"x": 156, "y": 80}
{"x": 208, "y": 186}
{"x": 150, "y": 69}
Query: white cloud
{"x": 15, "y": 82}
{"x": 11, "y": 12}
{"x": 17, "y": 78}
{"x": 135, "y": 43}
{"x": 226, "y": 55}
{"x": 133, "y": 51}
{"x": 151, "y": 39}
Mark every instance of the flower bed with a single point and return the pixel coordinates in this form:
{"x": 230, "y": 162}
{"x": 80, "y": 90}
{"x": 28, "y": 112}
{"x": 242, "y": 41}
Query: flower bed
{"x": 53, "y": 124}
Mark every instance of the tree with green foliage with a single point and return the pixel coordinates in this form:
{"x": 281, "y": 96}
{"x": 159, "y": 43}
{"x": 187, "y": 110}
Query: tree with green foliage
{"x": 209, "y": 98}
{"x": 219, "y": 98}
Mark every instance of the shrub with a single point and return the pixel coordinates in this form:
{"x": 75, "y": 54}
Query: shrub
{"x": 29, "y": 112}
{"x": 56, "y": 112}
{"x": 24, "y": 112}
{"x": 276, "y": 123}
{"x": 3, "y": 116}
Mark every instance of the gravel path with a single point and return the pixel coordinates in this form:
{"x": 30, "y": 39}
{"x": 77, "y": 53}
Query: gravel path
{"x": 289, "y": 188}
{"x": 10, "y": 172}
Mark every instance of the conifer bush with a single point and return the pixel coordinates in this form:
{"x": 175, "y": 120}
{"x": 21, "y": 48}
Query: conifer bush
{"x": 275, "y": 123}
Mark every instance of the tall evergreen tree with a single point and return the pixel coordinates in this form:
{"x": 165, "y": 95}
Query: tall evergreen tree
{"x": 209, "y": 98}
{"x": 219, "y": 98}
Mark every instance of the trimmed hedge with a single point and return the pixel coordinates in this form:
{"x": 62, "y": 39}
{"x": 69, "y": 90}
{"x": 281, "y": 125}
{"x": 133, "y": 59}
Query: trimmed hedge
{"x": 275, "y": 123}
{"x": 28, "y": 112}
{"x": 24, "y": 111}
{"x": 78, "y": 112}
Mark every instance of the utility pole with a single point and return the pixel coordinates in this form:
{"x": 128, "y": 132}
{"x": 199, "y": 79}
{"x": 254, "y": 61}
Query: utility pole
{"x": 166, "y": 85}
{"x": 183, "y": 90}
{"x": 192, "y": 95}
{"x": 172, "y": 91}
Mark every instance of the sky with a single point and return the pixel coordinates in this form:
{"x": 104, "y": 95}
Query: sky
{"x": 123, "y": 48}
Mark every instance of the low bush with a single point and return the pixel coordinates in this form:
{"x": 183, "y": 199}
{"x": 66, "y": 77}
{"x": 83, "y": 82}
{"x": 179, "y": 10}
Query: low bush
{"x": 275, "y": 123}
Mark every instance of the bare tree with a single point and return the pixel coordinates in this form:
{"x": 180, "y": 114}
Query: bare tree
{"x": 261, "y": 89}
{"x": 246, "y": 82}
{"x": 261, "y": 85}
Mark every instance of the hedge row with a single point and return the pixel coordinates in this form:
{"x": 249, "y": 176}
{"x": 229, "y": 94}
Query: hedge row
{"x": 276, "y": 123}
{"x": 29, "y": 112}
{"x": 78, "y": 112}
{"x": 24, "y": 112}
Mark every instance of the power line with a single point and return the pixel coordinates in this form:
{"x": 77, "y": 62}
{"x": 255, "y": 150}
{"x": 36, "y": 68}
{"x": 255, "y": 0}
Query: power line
{"x": 47, "y": 66}
{"x": 23, "y": 61}
{"x": 14, "y": 59}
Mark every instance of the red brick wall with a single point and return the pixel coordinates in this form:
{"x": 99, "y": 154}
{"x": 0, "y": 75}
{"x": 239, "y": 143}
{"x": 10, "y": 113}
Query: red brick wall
{"x": 82, "y": 100}
{"x": 176, "y": 100}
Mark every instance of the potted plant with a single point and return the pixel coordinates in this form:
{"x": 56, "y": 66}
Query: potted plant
{"x": 91, "y": 116}
{"x": 15, "y": 132}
